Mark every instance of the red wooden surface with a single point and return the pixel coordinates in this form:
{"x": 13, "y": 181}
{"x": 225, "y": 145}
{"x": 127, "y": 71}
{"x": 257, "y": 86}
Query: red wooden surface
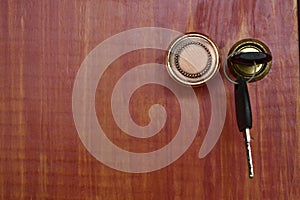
{"x": 43, "y": 43}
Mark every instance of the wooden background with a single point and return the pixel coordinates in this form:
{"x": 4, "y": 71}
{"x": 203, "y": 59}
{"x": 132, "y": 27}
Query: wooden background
{"x": 43, "y": 43}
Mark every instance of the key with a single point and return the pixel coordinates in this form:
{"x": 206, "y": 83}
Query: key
{"x": 248, "y": 58}
{"x": 242, "y": 101}
{"x": 244, "y": 117}
{"x": 241, "y": 95}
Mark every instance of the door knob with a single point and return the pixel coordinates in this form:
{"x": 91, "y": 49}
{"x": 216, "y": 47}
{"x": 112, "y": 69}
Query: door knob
{"x": 192, "y": 59}
{"x": 237, "y": 61}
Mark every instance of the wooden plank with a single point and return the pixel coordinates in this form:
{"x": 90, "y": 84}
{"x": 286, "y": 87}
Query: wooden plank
{"x": 43, "y": 44}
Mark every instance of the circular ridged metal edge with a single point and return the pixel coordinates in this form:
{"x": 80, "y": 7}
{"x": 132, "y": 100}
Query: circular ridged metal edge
{"x": 175, "y": 42}
{"x": 248, "y": 45}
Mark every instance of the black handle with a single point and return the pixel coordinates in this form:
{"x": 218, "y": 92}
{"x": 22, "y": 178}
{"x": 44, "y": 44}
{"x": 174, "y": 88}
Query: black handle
{"x": 248, "y": 58}
{"x": 242, "y": 105}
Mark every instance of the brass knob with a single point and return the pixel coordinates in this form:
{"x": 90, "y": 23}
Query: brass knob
{"x": 246, "y": 71}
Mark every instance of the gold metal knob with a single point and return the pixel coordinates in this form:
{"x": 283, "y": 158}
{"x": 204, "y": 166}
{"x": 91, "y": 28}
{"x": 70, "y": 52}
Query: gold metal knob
{"x": 246, "y": 71}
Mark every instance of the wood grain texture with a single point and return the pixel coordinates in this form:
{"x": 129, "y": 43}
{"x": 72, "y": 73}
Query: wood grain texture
{"x": 43, "y": 43}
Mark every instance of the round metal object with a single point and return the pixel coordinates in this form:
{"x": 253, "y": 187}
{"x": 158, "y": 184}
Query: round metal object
{"x": 249, "y": 45}
{"x": 192, "y": 59}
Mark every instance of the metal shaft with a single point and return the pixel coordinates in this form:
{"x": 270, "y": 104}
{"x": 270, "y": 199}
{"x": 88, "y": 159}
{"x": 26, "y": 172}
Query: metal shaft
{"x": 249, "y": 154}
